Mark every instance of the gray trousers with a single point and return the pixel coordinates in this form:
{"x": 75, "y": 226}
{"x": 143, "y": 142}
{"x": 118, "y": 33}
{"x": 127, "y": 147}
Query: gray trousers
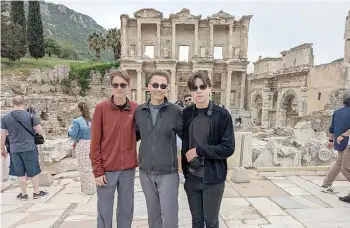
{"x": 123, "y": 181}
{"x": 161, "y": 193}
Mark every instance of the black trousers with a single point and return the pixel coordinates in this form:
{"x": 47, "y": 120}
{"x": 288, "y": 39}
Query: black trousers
{"x": 204, "y": 201}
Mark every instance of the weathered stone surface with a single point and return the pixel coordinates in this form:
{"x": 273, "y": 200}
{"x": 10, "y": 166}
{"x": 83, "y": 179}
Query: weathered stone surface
{"x": 283, "y": 131}
{"x": 45, "y": 179}
{"x": 240, "y": 175}
{"x": 65, "y": 165}
{"x": 56, "y": 150}
{"x": 315, "y": 152}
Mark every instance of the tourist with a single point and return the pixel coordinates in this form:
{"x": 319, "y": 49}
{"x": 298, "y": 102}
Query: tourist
{"x": 81, "y": 133}
{"x": 24, "y": 160}
{"x": 339, "y": 130}
{"x": 188, "y": 100}
{"x": 208, "y": 140}
{"x": 158, "y": 122}
{"x": 113, "y": 153}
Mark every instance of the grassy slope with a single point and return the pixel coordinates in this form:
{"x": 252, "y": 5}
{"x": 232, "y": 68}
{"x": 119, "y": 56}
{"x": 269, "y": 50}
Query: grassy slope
{"x": 27, "y": 64}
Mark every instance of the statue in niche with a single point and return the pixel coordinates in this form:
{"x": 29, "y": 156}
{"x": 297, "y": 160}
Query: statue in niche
{"x": 166, "y": 52}
{"x": 133, "y": 95}
{"x": 232, "y": 97}
{"x": 236, "y": 52}
{"x": 132, "y": 50}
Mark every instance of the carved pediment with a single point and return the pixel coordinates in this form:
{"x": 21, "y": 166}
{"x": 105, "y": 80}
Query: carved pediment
{"x": 222, "y": 15}
{"x": 185, "y": 14}
{"x": 148, "y": 13}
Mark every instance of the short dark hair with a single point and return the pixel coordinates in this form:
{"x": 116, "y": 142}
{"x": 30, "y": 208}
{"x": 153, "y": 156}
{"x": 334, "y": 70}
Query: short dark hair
{"x": 201, "y": 75}
{"x": 187, "y": 95}
{"x": 161, "y": 73}
{"x": 119, "y": 73}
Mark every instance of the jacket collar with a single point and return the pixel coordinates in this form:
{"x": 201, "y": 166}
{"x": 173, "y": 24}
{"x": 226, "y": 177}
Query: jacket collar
{"x": 115, "y": 107}
{"x": 146, "y": 104}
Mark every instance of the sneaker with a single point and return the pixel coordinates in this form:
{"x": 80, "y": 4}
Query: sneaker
{"x": 39, "y": 195}
{"x": 327, "y": 189}
{"x": 22, "y": 197}
{"x": 345, "y": 199}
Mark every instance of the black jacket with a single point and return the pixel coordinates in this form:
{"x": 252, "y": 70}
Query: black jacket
{"x": 221, "y": 143}
{"x": 158, "y": 151}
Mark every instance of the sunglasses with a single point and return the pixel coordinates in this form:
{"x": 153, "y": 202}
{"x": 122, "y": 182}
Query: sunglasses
{"x": 116, "y": 85}
{"x": 201, "y": 87}
{"x": 188, "y": 100}
{"x": 156, "y": 85}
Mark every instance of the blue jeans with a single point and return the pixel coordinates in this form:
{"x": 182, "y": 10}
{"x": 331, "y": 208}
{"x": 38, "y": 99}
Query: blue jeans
{"x": 24, "y": 164}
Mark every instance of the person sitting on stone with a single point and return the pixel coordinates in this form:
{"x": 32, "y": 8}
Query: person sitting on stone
{"x": 81, "y": 133}
{"x": 24, "y": 159}
{"x": 340, "y": 124}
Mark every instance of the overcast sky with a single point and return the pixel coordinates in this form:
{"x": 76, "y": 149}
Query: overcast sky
{"x": 275, "y": 26}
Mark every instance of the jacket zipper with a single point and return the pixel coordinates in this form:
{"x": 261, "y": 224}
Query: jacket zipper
{"x": 208, "y": 140}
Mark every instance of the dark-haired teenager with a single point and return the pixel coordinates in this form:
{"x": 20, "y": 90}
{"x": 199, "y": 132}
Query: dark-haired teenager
{"x": 208, "y": 140}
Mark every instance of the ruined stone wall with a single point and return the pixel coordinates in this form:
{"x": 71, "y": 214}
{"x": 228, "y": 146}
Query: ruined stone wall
{"x": 298, "y": 56}
{"x": 44, "y": 91}
{"x": 267, "y": 65}
{"x": 321, "y": 81}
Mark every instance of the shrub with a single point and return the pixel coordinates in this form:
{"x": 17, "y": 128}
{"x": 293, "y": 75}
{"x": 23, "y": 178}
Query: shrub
{"x": 81, "y": 72}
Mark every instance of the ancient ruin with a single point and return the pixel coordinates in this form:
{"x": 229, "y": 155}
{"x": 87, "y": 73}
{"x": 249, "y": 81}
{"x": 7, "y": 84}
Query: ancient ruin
{"x": 184, "y": 43}
{"x": 286, "y": 104}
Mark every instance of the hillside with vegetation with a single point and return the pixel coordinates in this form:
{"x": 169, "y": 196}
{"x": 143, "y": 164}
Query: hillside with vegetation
{"x": 70, "y": 28}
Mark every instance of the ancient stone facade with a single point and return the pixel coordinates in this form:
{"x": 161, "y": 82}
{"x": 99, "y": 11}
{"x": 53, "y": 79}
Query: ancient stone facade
{"x": 185, "y": 43}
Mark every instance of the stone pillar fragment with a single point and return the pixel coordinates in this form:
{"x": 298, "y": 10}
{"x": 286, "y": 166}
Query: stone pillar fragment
{"x": 173, "y": 86}
{"x": 196, "y": 39}
{"x": 173, "y": 42}
{"x": 228, "y": 89}
{"x": 211, "y": 38}
{"x": 139, "y": 48}
{"x": 241, "y": 102}
{"x": 158, "y": 40}
{"x": 139, "y": 87}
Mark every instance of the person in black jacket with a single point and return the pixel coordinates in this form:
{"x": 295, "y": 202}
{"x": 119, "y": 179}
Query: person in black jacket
{"x": 208, "y": 140}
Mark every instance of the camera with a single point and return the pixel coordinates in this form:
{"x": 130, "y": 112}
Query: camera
{"x": 195, "y": 163}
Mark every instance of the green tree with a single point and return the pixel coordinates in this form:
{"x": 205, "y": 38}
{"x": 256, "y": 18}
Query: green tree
{"x": 11, "y": 40}
{"x": 35, "y": 31}
{"x": 68, "y": 52}
{"x": 52, "y": 47}
{"x": 113, "y": 41}
{"x": 18, "y": 17}
{"x": 96, "y": 43}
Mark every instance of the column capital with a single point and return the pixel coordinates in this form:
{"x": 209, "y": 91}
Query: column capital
{"x": 229, "y": 71}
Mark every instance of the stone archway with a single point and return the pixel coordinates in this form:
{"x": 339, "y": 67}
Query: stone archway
{"x": 289, "y": 108}
{"x": 257, "y": 103}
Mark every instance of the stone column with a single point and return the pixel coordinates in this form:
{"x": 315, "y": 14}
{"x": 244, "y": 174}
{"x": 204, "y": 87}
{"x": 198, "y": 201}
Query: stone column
{"x": 241, "y": 102}
{"x": 196, "y": 39}
{"x": 211, "y": 38}
{"x": 173, "y": 42}
{"x": 244, "y": 36}
{"x": 124, "y": 36}
{"x": 223, "y": 87}
{"x": 210, "y": 74}
{"x": 228, "y": 88}
{"x": 139, "y": 87}
{"x": 265, "y": 108}
{"x": 158, "y": 40}
{"x": 139, "y": 48}
{"x": 173, "y": 85}
{"x": 230, "y": 49}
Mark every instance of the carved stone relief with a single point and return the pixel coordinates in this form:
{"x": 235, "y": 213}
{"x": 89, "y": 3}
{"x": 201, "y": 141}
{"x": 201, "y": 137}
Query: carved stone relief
{"x": 166, "y": 52}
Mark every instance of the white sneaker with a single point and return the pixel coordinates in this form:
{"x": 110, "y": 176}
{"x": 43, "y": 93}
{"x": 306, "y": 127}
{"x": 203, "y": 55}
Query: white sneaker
{"x": 328, "y": 189}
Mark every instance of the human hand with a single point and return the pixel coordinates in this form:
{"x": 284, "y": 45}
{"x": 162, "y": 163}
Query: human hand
{"x": 330, "y": 145}
{"x": 192, "y": 153}
{"x": 339, "y": 139}
{"x": 101, "y": 180}
{"x": 3, "y": 154}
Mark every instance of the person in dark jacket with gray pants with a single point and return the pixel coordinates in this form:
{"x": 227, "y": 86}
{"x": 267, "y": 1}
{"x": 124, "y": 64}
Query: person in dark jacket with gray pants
{"x": 158, "y": 122}
{"x": 208, "y": 141}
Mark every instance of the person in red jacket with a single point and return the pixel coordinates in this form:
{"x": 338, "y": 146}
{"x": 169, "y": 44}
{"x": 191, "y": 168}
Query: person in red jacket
{"x": 113, "y": 153}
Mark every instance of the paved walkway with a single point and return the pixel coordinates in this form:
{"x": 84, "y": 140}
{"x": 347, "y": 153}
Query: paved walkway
{"x": 274, "y": 202}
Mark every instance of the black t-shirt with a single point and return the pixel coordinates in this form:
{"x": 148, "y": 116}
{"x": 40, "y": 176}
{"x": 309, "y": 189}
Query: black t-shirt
{"x": 198, "y": 135}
